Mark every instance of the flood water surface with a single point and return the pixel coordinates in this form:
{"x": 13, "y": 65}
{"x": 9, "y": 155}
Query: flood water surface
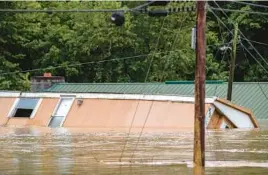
{"x": 76, "y": 151}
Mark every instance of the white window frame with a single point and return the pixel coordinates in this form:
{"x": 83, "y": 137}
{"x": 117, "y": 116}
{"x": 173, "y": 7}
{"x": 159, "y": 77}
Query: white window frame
{"x": 13, "y": 108}
{"x": 58, "y": 105}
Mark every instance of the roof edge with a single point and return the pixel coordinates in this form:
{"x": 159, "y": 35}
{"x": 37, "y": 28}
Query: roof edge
{"x": 241, "y": 109}
{"x": 183, "y": 99}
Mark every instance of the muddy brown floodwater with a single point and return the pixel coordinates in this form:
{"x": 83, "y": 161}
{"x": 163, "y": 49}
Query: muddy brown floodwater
{"x": 76, "y": 151}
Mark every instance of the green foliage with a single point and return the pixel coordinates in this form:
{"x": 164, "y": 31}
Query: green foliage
{"x": 44, "y": 41}
{"x": 253, "y": 27}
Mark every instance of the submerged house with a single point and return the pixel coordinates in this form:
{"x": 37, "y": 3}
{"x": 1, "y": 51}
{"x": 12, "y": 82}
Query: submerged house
{"x": 250, "y": 95}
{"x": 118, "y": 107}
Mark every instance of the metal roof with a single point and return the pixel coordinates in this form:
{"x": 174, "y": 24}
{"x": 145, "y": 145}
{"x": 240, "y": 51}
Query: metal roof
{"x": 252, "y": 95}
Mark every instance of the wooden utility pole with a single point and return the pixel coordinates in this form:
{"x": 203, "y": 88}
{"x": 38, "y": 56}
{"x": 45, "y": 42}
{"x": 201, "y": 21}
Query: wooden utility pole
{"x": 232, "y": 64}
{"x": 200, "y": 78}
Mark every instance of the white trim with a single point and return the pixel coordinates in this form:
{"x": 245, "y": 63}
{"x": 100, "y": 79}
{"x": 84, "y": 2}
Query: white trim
{"x": 57, "y": 106}
{"x": 9, "y": 94}
{"x": 13, "y": 107}
{"x": 15, "y": 103}
{"x": 49, "y": 121}
{"x": 36, "y": 108}
{"x": 59, "y": 102}
{"x": 239, "y": 118}
{"x": 110, "y": 96}
{"x": 54, "y": 111}
{"x": 67, "y": 113}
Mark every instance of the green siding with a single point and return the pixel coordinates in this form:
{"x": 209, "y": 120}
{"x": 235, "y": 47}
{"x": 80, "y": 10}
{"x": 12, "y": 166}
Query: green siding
{"x": 249, "y": 95}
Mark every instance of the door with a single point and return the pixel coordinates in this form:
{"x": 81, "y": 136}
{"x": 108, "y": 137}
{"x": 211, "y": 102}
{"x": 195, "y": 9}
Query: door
{"x": 61, "y": 112}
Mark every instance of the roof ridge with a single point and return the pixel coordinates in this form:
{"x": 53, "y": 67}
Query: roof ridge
{"x": 108, "y": 83}
{"x": 155, "y": 83}
{"x": 251, "y": 82}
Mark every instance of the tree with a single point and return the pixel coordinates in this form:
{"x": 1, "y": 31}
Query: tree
{"x": 10, "y": 54}
{"x": 75, "y": 45}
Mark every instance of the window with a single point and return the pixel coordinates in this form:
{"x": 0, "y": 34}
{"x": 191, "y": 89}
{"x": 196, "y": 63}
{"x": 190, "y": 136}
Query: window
{"x": 56, "y": 121}
{"x": 23, "y": 113}
{"x": 60, "y": 112}
{"x": 25, "y": 107}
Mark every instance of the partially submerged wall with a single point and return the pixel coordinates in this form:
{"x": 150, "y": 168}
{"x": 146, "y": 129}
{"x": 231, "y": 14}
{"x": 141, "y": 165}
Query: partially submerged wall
{"x": 41, "y": 117}
{"x": 5, "y": 106}
{"x": 116, "y": 111}
{"x": 104, "y": 113}
{"x": 44, "y": 112}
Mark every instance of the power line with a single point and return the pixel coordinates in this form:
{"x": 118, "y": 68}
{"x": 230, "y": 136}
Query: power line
{"x": 232, "y": 34}
{"x": 255, "y": 41}
{"x": 129, "y": 130}
{"x": 134, "y": 116}
{"x": 223, "y": 44}
{"x": 251, "y": 4}
{"x": 177, "y": 33}
{"x": 75, "y": 10}
{"x": 254, "y": 58}
{"x": 241, "y": 34}
{"x": 146, "y": 119}
{"x": 80, "y": 64}
{"x": 265, "y": 95}
{"x": 168, "y": 11}
{"x": 257, "y": 82}
{"x": 239, "y": 11}
{"x": 61, "y": 10}
{"x": 149, "y": 68}
{"x": 142, "y": 6}
{"x": 244, "y": 46}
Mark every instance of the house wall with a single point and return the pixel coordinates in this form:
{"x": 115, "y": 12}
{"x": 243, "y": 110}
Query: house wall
{"x": 215, "y": 121}
{"x": 5, "y": 105}
{"x": 114, "y": 114}
{"x": 42, "y": 116}
{"x": 44, "y": 112}
{"x": 108, "y": 113}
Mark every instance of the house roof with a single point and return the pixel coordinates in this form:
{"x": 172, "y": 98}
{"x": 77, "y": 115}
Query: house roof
{"x": 252, "y": 95}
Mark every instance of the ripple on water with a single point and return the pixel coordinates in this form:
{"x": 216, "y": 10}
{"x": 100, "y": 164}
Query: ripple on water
{"x": 59, "y": 151}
